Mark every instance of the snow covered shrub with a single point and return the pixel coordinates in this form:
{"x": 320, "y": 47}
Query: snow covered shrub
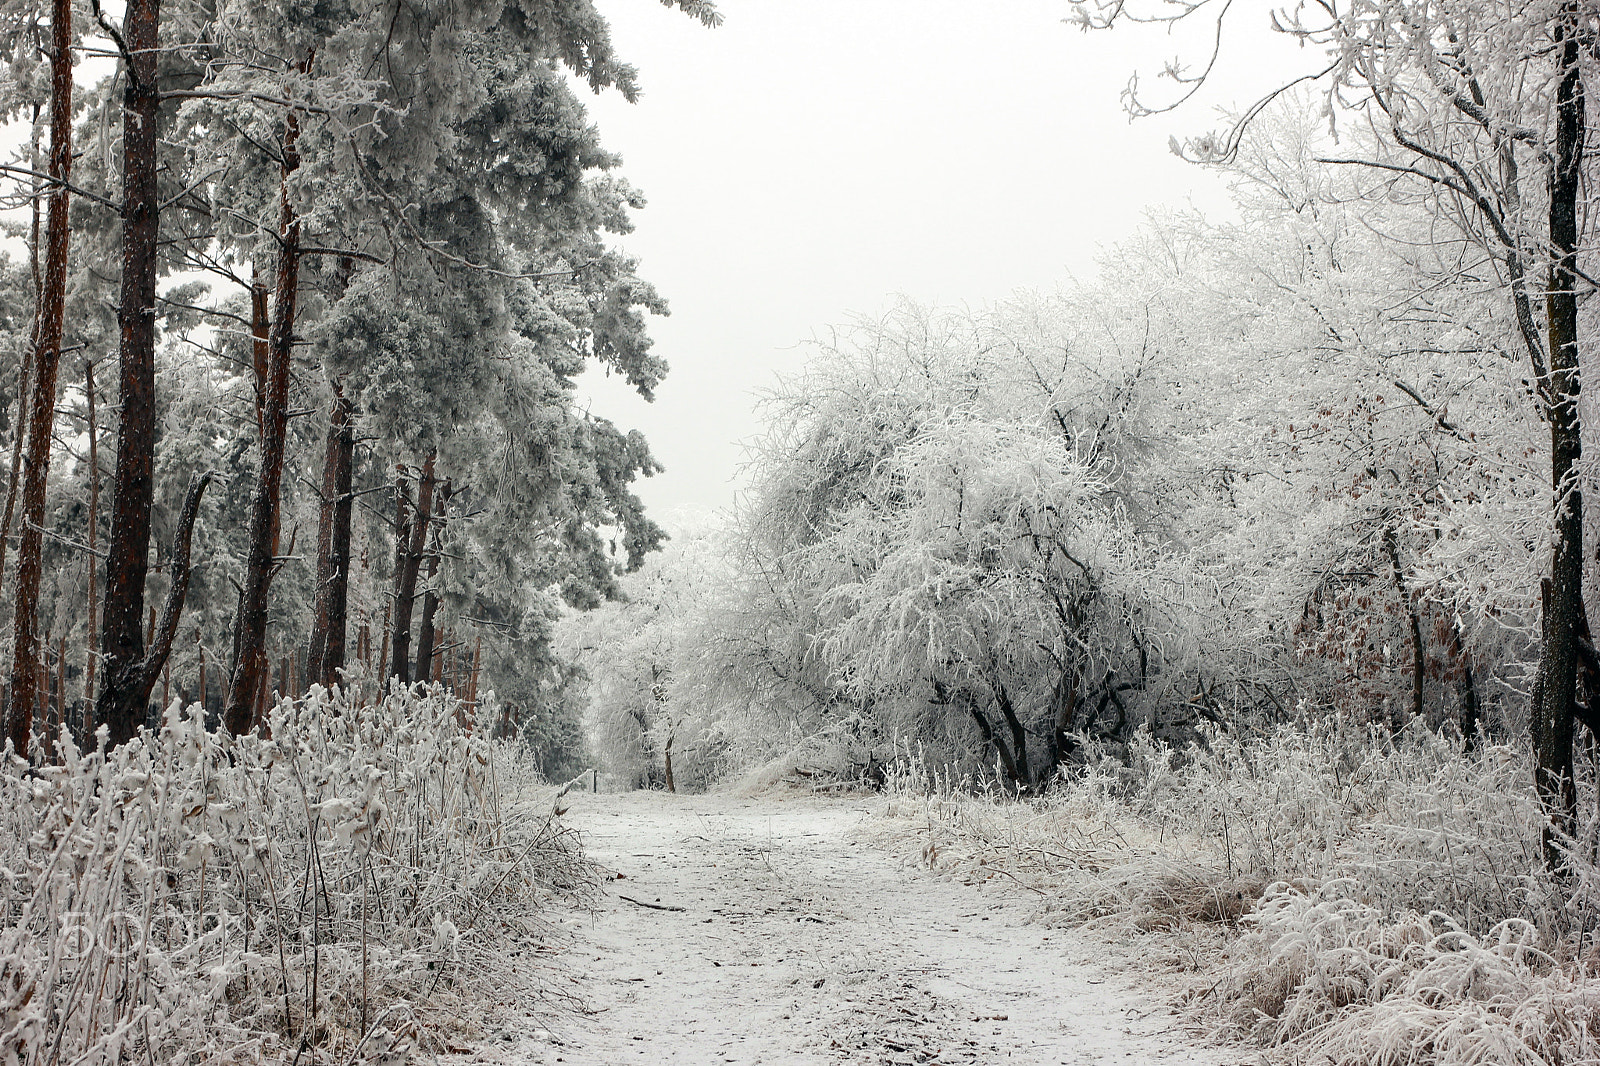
{"x": 1355, "y": 898}
{"x": 1344, "y": 982}
{"x": 358, "y": 882}
{"x": 1417, "y": 822}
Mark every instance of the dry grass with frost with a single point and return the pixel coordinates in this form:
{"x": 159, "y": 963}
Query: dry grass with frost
{"x": 363, "y": 886}
{"x": 1340, "y": 897}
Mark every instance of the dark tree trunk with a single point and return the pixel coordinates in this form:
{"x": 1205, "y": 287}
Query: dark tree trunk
{"x": 251, "y": 625}
{"x": 1552, "y": 717}
{"x": 136, "y": 680}
{"x": 1391, "y": 544}
{"x": 403, "y": 512}
{"x": 1466, "y": 691}
{"x": 430, "y": 598}
{"x": 961, "y": 697}
{"x": 46, "y": 361}
{"x": 325, "y": 655}
{"x": 408, "y": 560}
{"x": 260, "y": 347}
{"x": 1019, "y": 735}
{"x": 1065, "y": 698}
{"x": 430, "y": 606}
{"x": 120, "y": 705}
{"x": 91, "y": 625}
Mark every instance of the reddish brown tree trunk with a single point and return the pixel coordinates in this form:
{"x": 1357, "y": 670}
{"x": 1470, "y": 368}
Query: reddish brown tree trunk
{"x": 325, "y": 655}
{"x": 408, "y": 560}
{"x": 251, "y": 625}
{"x": 121, "y": 705}
{"x": 47, "y": 360}
{"x": 139, "y": 678}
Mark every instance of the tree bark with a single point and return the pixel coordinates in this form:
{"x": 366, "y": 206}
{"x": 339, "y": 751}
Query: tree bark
{"x": 430, "y": 598}
{"x": 166, "y": 630}
{"x": 260, "y": 347}
{"x": 91, "y": 625}
{"x": 1019, "y": 736}
{"x": 1391, "y": 545}
{"x": 325, "y": 654}
{"x": 1065, "y": 698}
{"x": 1466, "y": 691}
{"x": 666, "y": 758}
{"x": 133, "y": 682}
{"x": 25, "y": 376}
{"x": 403, "y": 512}
{"x": 408, "y": 561}
{"x": 122, "y": 709}
{"x": 46, "y": 360}
{"x": 1552, "y": 717}
{"x": 251, "y": 625}
{"x": 472, "y": 679}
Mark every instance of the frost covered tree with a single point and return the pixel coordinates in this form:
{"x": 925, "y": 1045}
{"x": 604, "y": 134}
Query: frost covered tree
{"x": 1479, "y": 115}
{"x": 955, "y": 507}
{"x": 1252, "y": 471}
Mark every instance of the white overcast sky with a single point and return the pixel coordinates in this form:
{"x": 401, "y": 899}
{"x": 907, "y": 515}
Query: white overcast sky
{"x": 810, "y": 159}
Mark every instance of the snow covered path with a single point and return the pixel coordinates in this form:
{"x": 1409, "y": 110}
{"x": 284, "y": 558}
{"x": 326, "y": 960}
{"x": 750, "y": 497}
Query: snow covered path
{"x": 797, "y": 944}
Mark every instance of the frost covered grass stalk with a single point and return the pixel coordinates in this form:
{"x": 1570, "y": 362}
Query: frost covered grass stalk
{"x": 1345, "y": 897}
{"x": 357, "y": 883}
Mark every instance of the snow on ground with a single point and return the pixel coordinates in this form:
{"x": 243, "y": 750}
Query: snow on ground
{"x": 796, "y": 943}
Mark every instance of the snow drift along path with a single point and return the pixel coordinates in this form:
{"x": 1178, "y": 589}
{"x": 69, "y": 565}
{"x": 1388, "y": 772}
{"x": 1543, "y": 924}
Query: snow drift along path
{"x": 797, "y": 944}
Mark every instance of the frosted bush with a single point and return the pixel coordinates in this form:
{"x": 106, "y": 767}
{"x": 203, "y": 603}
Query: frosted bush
{"x": 1342, "y": 981}
{"x": 350, "y": 884}
{"x": 1417, "y": 823}
{"x": 1350, "y": 897}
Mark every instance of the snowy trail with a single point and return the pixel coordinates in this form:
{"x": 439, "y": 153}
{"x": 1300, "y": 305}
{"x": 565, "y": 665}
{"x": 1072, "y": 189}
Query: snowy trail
{"x": 797, "y": 944}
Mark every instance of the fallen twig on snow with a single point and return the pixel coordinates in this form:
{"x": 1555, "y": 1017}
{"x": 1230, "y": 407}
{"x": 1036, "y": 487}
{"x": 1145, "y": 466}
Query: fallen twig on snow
{"x": 652, "y": 906}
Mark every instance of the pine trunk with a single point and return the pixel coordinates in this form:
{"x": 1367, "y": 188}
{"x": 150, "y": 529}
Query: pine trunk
{"x": 1552, "y": 718}
{"x": 46, "y": 361}
{"x": 408, "y": 561}
{"x": 383, "y": 646}
{"x": 430, "y": 598}
{"x": 251, "y": 625}
{"x": 325, "y": 654}
{"x": 121, "y": 704}
{"x": 91, "y": 625}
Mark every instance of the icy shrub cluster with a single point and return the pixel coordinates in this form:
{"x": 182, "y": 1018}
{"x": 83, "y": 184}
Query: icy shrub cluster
{"x": 1349, "y": 897}
{"x": 353, "y": 884}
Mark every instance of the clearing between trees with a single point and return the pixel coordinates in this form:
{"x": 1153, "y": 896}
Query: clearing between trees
{"x": 771, "y": 930}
